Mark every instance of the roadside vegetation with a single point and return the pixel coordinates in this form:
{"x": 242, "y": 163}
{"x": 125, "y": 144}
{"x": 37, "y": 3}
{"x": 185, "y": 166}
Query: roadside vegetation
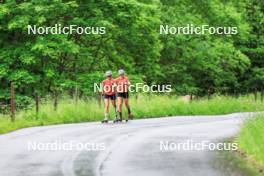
{"x": 143, "y": 106}
{"x": 251, "y": 141}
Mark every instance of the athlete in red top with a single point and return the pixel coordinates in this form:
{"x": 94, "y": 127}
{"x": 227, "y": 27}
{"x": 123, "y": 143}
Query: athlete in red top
{"x": 123, "y": 84}
{"x": 108, "y": 87}
{"x": 108, "y": 91}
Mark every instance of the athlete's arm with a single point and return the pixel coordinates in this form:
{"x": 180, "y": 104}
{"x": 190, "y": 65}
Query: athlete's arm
{"x": 103, "y": 84}
{"x": 128, "y": 82}
{"x": 115, "y": 85}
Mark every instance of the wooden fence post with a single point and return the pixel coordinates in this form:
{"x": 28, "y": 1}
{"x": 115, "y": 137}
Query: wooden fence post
{"x": 262, "y": 95}
{"x": 76, "y": 94}
{"x": 100, "y": 99}
{"x": 12, "y": 101}
{"x": 256, "y": 94}
{"x": 55, "y": 104}
{"x": 37, "y": 103}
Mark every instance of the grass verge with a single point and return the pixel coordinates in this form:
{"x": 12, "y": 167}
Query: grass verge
{"x": 142, "y": 107}
{"x": 231, "y": 163}
{"x": 251, "y": 142}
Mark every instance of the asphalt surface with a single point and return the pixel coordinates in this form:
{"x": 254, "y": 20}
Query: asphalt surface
{"x": 127, "y": 149}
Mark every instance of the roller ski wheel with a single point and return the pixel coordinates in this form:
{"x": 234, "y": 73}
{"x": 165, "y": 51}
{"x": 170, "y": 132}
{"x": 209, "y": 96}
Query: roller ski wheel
{"x": 104, "y": 121}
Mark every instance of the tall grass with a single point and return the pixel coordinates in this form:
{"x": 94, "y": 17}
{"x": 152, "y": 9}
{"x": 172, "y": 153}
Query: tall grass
{"x": 251, "y": 139}
{"x": 157, "y": 106}
{"x": 142, "y": 107}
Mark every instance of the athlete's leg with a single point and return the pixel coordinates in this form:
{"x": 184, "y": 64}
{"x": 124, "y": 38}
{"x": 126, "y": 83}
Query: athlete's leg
{"x": 128, "y": 107}
{"x": 114, "y": 105}
{"x": 120, "y": 103}
{"x": 106, "y": 102}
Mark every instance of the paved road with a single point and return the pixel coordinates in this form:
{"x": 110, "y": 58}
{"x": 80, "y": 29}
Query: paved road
{"x": 128, "y": 149}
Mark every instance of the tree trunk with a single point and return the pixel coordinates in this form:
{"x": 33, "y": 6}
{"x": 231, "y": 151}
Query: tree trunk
{"x": 71, "y": 93}
{"x": 81, "y": 94}
{"x": 12, "y": 101}
{"x": 209, "y": 94}
{"x": 235, "y": 93}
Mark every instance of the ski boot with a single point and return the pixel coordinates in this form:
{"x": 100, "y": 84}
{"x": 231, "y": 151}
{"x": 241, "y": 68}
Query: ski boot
{"x": 117, "y": 120}
{"x": 130, "y": 117}
{"x": 104, "y": 121}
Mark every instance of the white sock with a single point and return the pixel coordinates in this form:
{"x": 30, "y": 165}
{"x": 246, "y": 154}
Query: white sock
{"x": 106, "y": 116}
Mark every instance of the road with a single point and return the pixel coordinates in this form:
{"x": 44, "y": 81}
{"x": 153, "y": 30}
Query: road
{"x": 127, "y": 149}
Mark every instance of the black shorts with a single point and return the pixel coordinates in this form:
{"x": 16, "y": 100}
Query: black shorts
{"x": 123, "y": 95}
{"x": 112, "y": 97}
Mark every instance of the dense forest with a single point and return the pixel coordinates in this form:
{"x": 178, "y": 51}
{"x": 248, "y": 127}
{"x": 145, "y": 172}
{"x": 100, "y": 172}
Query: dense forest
{"x": 41, "y": 65}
